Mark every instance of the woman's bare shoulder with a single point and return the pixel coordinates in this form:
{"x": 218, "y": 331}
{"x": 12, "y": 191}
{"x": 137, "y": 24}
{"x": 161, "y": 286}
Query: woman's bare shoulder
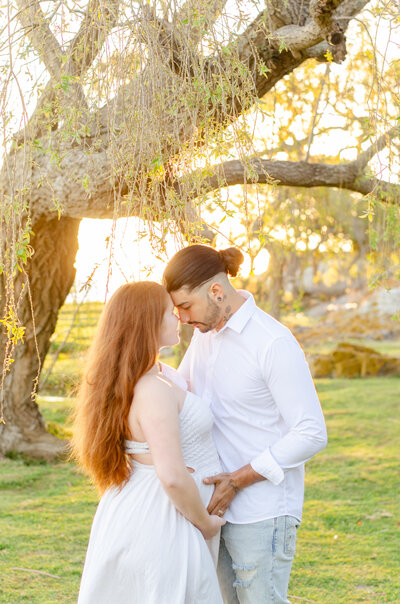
{"x": 158, "y": 388}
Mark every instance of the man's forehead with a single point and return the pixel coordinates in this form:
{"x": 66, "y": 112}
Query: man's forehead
{"x": 180, "y": 296}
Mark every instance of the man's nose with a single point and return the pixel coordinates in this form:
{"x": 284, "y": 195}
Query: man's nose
{"x": 183, "y": 316}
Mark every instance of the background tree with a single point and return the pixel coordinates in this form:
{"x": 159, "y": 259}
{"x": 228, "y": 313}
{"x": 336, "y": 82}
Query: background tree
{"x": 323, "y": 115}
{"x": 302, "y": 233}
{"x": 137, "y": 108}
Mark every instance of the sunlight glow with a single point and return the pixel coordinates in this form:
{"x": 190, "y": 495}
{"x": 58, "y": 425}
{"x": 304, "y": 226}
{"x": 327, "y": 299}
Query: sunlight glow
{"x": 112, "y": 253}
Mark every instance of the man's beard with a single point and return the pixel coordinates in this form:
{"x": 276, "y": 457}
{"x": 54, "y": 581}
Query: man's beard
{"x": 212, "y": 318}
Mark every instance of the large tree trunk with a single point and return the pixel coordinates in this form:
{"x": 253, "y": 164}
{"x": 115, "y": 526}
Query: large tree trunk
{"x": 50, "y": 275}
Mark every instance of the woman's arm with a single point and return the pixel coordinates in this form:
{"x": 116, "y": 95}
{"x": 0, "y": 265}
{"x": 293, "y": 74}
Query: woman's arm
{"x": 157, "y": 411}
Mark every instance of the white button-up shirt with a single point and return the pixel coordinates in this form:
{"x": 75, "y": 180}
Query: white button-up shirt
{"x": 255, "y": 378}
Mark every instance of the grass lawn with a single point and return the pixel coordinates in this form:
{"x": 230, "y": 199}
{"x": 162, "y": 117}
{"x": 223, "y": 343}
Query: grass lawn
{"x": 348, "y": 544}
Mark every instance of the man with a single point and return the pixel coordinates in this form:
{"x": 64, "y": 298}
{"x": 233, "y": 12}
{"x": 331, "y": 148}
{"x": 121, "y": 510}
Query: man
{"x": 267, "y": 420}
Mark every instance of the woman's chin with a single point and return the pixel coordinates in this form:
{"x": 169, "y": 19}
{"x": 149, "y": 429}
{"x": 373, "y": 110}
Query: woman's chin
{"x": 172, "y": 342}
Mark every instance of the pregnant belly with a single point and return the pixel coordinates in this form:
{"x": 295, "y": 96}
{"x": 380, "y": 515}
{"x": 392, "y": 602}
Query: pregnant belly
{"x": 205, "y": 490}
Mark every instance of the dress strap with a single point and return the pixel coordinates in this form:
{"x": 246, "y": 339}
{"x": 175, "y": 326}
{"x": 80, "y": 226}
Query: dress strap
{"x": 134, "y": 446}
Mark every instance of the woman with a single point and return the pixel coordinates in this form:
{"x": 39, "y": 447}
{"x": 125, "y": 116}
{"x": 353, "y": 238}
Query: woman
{"x": 147, "y": 445}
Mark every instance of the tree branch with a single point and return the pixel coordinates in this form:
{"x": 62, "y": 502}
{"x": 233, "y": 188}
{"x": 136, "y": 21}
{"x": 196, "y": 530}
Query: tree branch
{"x": 208, "y": 11}
{"x": 83, "y": 49}
{"x": 323, "y": 81}
{"x": 271, "y": 55}
{"x": 53, "y": 183}
{"x": 178, "y": 40}
{"x": 37, "y": 29}
{"x": 99, "y": 20}
{"x": 377, "y": 146}
{"x": 326, "y": 22}
{"x": 299, "y": 174}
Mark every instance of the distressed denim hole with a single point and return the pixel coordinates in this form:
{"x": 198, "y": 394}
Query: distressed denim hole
{"x": 244, "y": 575}
{"x": 291, "y": 526}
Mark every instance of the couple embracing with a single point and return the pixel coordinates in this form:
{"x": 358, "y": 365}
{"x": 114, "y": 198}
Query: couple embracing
{"x": 202, "y": 469}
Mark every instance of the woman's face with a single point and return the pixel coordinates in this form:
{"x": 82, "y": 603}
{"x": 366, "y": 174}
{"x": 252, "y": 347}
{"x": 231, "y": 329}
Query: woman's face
{"x": 169, "y": 335}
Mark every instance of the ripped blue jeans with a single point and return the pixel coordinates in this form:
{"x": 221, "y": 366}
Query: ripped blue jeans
{"x": 255, "y": 560}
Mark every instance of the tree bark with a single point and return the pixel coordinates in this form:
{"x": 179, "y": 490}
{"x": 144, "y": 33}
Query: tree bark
{"x": 42, "y": 292}
{"x": 350, "y": 176}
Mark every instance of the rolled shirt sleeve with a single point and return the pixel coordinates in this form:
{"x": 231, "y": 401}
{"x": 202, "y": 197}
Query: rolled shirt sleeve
{"x": 288, "y": 378}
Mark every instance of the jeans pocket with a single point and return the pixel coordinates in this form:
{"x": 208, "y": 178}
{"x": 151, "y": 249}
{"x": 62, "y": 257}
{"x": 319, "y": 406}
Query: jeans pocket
{"x": 291, "y": 526}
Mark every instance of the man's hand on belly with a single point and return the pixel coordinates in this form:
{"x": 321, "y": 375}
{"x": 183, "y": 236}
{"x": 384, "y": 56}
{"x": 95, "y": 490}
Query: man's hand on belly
{"x": 228, "y": 485}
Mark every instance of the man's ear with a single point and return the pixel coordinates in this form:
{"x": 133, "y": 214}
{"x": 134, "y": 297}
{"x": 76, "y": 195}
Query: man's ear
{"x": 216, "y": 291}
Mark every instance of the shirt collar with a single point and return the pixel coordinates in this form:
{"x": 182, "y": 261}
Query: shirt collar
{"x": 239, "y": 318}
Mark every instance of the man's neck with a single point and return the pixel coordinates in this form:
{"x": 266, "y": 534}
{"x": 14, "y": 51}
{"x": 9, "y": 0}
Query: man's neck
{"x": 231, "y": 304}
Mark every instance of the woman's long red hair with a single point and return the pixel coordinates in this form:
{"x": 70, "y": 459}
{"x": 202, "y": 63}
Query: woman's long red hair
{"x": 124, "y": 348}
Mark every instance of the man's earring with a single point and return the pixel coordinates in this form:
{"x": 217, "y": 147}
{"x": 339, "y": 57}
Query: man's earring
{"x": 219, "y": 299}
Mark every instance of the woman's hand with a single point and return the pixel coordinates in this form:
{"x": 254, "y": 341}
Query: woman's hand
{"x": 213, "y": 526}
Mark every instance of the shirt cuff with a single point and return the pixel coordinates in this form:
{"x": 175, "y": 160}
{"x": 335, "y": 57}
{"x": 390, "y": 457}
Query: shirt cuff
{"x": 268, "y": 467}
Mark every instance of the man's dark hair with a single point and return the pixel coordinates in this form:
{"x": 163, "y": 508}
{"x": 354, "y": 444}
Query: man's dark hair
{"x": 196, "y": 264}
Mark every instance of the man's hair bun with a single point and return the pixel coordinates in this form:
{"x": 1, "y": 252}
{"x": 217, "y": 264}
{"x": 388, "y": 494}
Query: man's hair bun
{"x": 195, "y": 264}
{"x": 232, "y": 258}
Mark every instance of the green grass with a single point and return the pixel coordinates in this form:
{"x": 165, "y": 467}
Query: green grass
{"x": 348, "y": 544}
{"x": 348, "y": 547}
{"x": 46, "y": 512}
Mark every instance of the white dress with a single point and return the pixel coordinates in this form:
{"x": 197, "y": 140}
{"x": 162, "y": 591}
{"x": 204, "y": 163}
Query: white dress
{"x": 141, "y": 549}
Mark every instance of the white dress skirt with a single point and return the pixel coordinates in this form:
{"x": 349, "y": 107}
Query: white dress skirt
{"x": 142, "y": 550}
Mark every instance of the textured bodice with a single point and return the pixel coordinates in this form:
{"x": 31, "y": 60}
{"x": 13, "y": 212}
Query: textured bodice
{"x": 195, "y": 423}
